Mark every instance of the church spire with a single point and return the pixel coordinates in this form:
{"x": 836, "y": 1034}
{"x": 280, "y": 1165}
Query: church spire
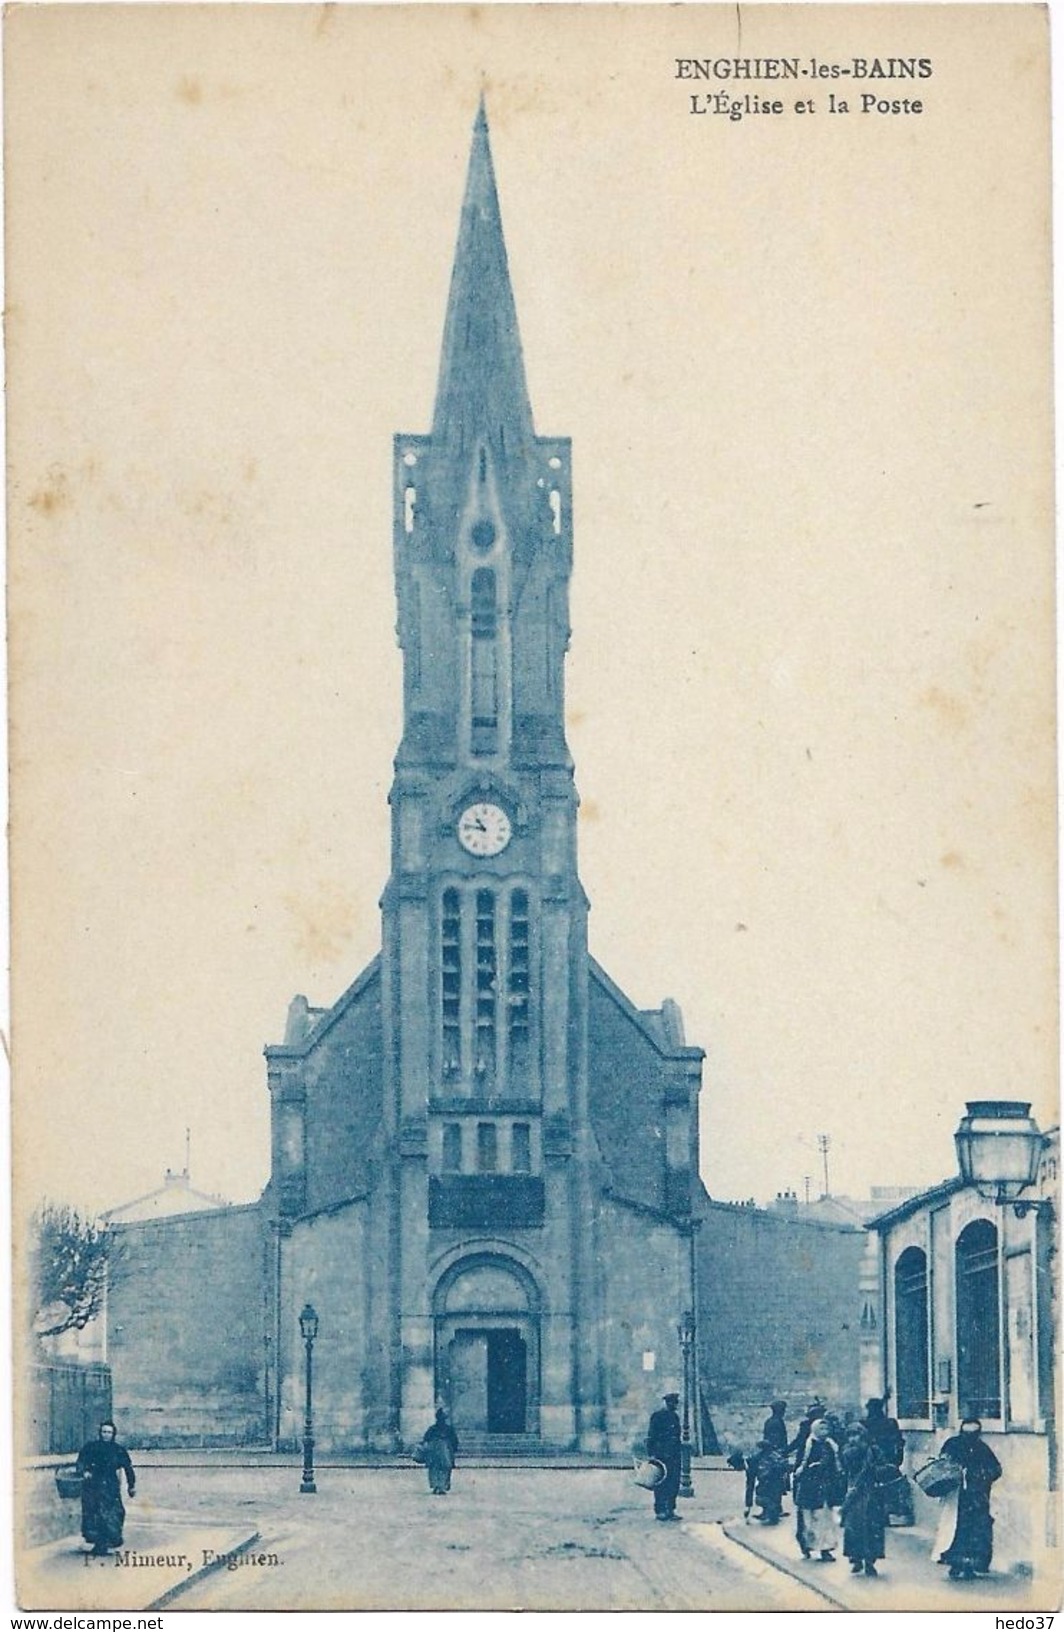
{"x": 482, "y": 390}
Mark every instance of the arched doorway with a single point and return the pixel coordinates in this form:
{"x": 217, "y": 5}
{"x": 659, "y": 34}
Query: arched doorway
{"x": 487, "y": 1346}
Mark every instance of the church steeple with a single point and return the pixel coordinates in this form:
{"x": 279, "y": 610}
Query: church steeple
{"x": 482, "y": 391}
{"x": 482, "y": 531}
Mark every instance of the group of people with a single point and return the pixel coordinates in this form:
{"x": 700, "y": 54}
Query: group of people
{"x": 849, "y": 1474}
{"x": 835, "y": 1470}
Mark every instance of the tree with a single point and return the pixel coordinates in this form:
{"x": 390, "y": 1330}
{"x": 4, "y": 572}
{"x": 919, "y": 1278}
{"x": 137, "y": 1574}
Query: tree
{"x": 71, "y": 1257}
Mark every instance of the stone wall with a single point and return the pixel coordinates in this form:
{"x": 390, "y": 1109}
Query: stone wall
{"x": 645, "y": 1263}
{"x": 626, "y": 1088}
{"x": 325, "y": 1264}
{"x": 342, "y": 1079}
{"x": 779, "y": 1316}
{"x": 186, "y": 1330}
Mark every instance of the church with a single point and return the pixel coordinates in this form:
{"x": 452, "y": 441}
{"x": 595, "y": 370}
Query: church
{"x": 484, "y": 1164}
{"x": 483, "y": 1155}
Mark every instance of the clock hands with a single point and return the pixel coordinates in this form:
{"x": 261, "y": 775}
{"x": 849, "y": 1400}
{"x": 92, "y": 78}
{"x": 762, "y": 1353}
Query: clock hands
{"x": 484, "y": 829}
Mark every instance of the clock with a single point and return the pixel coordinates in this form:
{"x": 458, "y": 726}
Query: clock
{"x": 484, "y": 830}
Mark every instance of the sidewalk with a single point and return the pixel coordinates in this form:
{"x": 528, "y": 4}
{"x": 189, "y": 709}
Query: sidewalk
{"x": 159, "y": 1556}
{"x": 908, "y": 1578}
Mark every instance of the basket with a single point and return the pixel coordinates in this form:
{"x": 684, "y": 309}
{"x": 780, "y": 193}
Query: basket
{"x": 68, "y": 1482}
{"x": 939, "y": 1477}
{"x": 649, "y": 1475}
{"x": 419, "y": 1455}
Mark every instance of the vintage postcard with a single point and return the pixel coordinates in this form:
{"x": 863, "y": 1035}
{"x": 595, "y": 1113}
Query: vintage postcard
{"x": 533, "y": 807}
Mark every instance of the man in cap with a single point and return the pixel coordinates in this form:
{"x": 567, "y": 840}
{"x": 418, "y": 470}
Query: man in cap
{"x": 663, "y": 1445}
{"x": 774, "y": 1433}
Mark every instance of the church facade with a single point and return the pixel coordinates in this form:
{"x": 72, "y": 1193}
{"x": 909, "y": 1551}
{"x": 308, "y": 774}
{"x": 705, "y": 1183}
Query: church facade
{"x": 484, "y": 1165}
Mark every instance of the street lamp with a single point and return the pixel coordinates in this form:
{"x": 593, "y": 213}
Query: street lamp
{"x": 308, "y": 1326}
{"x": 686, "y": 1334}
{"x": 999, "y": 1150}
{"x": 999, "y": 1147}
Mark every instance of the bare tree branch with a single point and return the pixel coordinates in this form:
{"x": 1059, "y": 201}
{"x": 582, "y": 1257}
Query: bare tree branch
{"x": 72, "y": 1256}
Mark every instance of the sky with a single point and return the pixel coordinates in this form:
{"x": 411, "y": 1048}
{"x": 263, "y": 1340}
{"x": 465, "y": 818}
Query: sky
{"x": 804, "y": 360}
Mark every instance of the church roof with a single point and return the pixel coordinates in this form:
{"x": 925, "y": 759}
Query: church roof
{"x": 482, "y": 389}
{"x": 662, "y": 1027}
{"x": 322, "y": 1020}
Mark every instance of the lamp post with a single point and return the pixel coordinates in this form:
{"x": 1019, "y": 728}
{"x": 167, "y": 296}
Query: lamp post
{"x": 686, "y": 1334}
{"x": 999, "y": 1151}
{"x": 308, "y": 1326}
{"x": 999, "y": 1147}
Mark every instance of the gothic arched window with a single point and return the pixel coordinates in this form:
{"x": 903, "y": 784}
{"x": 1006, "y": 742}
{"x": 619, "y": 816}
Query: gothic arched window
{"x": 911, "y": 1333}
{"x": 451, "y": 998}
{"x": 487, "y": 988}
{"x": 484, "y": 699}
{"x": 978, "y": 1320}
{"x": 519, "y": 984}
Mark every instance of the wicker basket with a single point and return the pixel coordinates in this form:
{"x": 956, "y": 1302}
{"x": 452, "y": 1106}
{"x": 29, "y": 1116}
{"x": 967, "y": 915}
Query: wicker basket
{"x": 68, "y": 1482}
{"x": 939, "y": 1477}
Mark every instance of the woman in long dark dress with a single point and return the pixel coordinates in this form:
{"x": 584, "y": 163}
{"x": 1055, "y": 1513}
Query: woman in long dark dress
{"x": 100, "y": 1463}
{"x": 440, "y": 1445}
{"x": 889, "y": 1441}
{"x": 864, "y": 1510}
{"x": 972, "y": 1547}
{"x": 816, "y": 1483}
{"x": 766, "y": 1478}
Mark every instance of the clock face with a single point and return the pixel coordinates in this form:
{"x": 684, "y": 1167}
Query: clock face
{"x": 484, "y": 830}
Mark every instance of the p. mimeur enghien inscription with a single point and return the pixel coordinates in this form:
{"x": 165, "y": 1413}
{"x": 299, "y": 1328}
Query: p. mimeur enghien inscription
{"x": 129, "y": 1558}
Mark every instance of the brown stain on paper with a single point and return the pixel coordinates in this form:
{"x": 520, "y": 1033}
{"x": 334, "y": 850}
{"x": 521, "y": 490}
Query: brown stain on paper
{"x": 324, "y": 923}
{"x": 53, "y": 496}
{"x": 951, "y": 711}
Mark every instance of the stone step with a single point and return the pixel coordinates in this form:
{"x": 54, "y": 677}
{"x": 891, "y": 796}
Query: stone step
{"x": 472, "y": 1444}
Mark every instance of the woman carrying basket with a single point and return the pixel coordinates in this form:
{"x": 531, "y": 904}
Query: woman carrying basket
{"x": 103, "y": 1514}
{"x": 439, "y": 1449}
{"x": 972, "y": 1547}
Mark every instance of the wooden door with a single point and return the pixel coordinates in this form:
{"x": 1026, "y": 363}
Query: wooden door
{"x": 469, "y": 1381}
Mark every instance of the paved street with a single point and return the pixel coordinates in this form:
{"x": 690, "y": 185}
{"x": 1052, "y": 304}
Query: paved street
{"x": 505, "y": 1538}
